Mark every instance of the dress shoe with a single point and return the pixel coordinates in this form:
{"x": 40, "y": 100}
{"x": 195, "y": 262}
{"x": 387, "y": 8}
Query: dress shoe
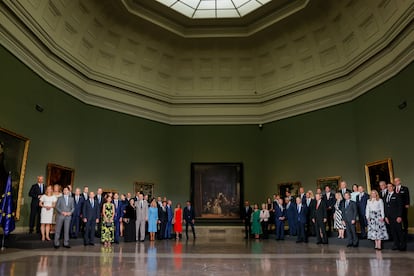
{"x": 299, "y": 241}
{"x": 142, "y": 240}
{"x": 355, "y": 245}
{"x": 91, "y": 243}
{"x": 66, "y": 246}
{"x": 349, "y": 245}
{"x": 56, "y": 246}
{"x": 403, "y": 249}
{"x": 395, "y": 248}
{"x": 319, "y": 242}
{"x": 325, "y": 242}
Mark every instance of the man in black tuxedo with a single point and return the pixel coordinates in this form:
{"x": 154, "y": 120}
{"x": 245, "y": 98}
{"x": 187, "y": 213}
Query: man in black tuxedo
{"x": 246, "y": 213}
{"x": 189, "y": 219}
{"x": 329, "y": 198}
{"x": 361, "y": 201}
{"x": 90, "y": 214}
{"x": 383, "y": 190}
{"x": 163, "y": 218}
{"x": 77, "y": 213}
{"x": 349, "y": 214}
{"x": 404, "y": 193}
{"x": 301, "y": 219}
{"x": 36, "y": 191}
{"x": 319, "y": 218}
{"x": 393, "y": 209}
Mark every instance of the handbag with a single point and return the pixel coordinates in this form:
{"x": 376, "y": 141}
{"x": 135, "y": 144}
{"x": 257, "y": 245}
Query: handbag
{"x": 126, "y": 220}
{"x": 108, "y": 224}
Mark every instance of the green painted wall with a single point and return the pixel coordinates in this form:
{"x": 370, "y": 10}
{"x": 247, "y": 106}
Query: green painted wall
{"x": 112, "y": 150}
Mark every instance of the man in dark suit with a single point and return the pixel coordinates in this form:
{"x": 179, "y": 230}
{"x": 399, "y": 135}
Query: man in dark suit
{"x": 189, "y": 218}
{"x": 383, "y": 190}
{"x": 393, "y": 209}
{"x": 77, "y": 213}
{"x": 310, "y": 204}
{"x": 320, "y": 218}
{"x": 329, "y": 198}
{"x": 302, "y": 195}
{"x": 361, "y": 201}
{"x": 291, "y": 216}
{"x": 36, "y": 191}
{"x": 280, "y": 216}
{"x": 163, "y": 218}
{"x": 100, "y": 200}
{"x": 119, "y": 211}
{"x": 65, "y": 206}
{"x": 349, "y": 214}
{"x": 301, "y": 218}
{"x": 91, "y": 215}
{"x": 343, "y": 189}
{"x": 85, "y": 192}
{"x": 170, "y": 216}
{"x": 246, "y": 213}
{"x": 404, "y": 193}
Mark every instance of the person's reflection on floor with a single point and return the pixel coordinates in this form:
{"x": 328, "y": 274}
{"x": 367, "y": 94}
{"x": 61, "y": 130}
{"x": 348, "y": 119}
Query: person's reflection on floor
{"x": 379, "y": 266}
{"x": 342, "y": 263}
{"x": 42, "y": 266}
{"x": 178, "y": 260}
{"x": 152, "y": 259}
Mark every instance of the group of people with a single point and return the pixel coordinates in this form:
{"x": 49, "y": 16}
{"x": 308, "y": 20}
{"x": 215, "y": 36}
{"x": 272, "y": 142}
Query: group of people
{"x": 107, "y": 216}
{"x": 382, "y": 215}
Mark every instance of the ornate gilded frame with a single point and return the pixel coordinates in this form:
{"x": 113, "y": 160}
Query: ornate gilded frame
{"x": 377, "y": 171}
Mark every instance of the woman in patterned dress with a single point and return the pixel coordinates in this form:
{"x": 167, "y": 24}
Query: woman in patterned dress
{"x": 374, "y": 213}
{"x": 47, "y": 202}
{"x": 255, "y": 220}
{"x": 338, "y": 225}
{"x": 108, "y": 213}
{"x": 178, "y": 221}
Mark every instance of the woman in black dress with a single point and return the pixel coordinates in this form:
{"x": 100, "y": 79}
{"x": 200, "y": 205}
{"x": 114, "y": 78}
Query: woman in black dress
{"x": 129, "y": 221}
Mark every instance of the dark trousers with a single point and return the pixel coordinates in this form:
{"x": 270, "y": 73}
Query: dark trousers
{"x": 300, "y": 227}
{"x": 89, "y": 236}
{"x": 117, "y": 232}
{"x": 398, "y": 235}
{"x": 280, "y": 229}
{"x": 363, "y": 224}
{"x": 247, "y": 228}
{"x": 192, "y": 229}
{"x": 329, "y": 221}
{"x": 265, "y": 225}
{"x": 168, "y": 229}
{"x": 75, "y": 226}
{"x": 320, "y": 231}
{"x": 162, "y": 227}
{"x": 34, "y": 218}
{"x": 405, "y": 219}
{"x": 351, "y": 233}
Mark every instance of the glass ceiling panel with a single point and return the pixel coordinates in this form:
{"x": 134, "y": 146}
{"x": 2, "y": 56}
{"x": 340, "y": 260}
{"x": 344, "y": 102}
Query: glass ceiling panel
{"x": 214, "y": 8}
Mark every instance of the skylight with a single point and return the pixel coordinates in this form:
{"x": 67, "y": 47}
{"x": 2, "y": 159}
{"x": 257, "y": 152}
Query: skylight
{"x": 200, "y": 9}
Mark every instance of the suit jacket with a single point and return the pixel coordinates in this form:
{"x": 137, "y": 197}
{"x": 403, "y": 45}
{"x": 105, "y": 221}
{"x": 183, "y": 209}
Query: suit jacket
{"x": 142, "y": 211}
{"x": 347, "y": 190}
{"x": 162, "y": 214}
{"x": 246, "y": 215}
{"x": 170, "y": 213}
{"x": 404, "y": 194}
{"x": 383, "y": 197}
{"x": 291, "y": 212}
{"x": 319, "y": 212}
{"x": 393, "y": 208}
{"x": 279, "y": 212}
{"x": 188, "y": 215}
{"x": 302, "y": 215}
{"x": 362, "y": 203}
{"x": 34, "y": 193}
{"x": 119, "y": 210}
{"x": 89, "y": 212}
{"x": 330, "y": 202}
{"x": 62, "y": 207}
{"x": 349, "y": 212}
{"x": 78, "y": 206}
{"x": 100, "y": 202}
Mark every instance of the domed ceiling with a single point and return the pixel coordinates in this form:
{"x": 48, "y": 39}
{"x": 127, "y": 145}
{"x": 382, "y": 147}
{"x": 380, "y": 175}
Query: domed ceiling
{"x": 143, "y": 58}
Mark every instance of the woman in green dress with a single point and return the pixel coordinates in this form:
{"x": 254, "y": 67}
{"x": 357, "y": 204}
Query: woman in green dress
{"x": 255, "y": 220}
{"x": 108, "y": 213}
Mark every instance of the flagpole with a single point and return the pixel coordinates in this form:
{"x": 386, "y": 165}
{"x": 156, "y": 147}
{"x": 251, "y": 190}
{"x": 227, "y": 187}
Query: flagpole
{"x": 2, "y": 243}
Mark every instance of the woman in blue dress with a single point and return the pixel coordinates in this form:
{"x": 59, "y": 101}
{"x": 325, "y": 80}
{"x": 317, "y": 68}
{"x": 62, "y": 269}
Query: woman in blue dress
{"x": 152, "y": 220}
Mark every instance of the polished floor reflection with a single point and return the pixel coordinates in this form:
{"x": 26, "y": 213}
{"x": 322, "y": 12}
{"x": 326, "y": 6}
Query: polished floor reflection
{"x": 207, "y": 257}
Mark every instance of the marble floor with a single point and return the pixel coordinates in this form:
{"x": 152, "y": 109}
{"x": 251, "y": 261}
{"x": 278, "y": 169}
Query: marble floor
{"x": 207, "y": 257}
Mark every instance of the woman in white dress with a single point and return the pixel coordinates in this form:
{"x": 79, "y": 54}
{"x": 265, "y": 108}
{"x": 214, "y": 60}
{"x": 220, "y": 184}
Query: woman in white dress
{"x": 47, "y": 203}
{"x": 374, "y": 213}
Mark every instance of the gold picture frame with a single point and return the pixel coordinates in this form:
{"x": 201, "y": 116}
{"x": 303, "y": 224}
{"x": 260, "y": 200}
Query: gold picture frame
{"x": 377, "y": 171}
{"x": 292, "y": 187}
{"x": 57, "y": 174}
{"x": 332, "y": 181}
{"x": 13, "y": 156}
{"x": 147, "y": 188}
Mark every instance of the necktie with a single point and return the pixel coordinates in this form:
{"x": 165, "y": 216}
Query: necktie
{"x": 141, "y": 204}
{"x": 347, "y": 204}
{"x": 116, "y": 204}
{"x": 66, "y": 200}
{"x": 388, "y": 198}
{"x": 77, "y": 199}
{"x": 398, "y": 189}
{"x": 92, "y": 203}
{"x": 41, "y": 188}
{"x": 298, "y": 209}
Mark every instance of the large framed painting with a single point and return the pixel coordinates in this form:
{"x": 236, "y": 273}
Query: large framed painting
{"x": 13, "y": 157}
{"x": 331, "y": 181}
{"x": 146, "y": 188}
{"x": 216, "y": 190}
{"x": 292, "y": 187}
{"x": 61, "y": 175}
{"x": 377, "y": 171}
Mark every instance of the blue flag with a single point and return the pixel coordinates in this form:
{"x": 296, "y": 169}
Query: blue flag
{"x": 6, "y": 211}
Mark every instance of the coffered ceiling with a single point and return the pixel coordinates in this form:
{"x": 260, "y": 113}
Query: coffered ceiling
{"x": 144, "y": 59}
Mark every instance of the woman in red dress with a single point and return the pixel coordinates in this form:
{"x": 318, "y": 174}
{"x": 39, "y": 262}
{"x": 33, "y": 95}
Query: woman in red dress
{"x": 178, "y": 221}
